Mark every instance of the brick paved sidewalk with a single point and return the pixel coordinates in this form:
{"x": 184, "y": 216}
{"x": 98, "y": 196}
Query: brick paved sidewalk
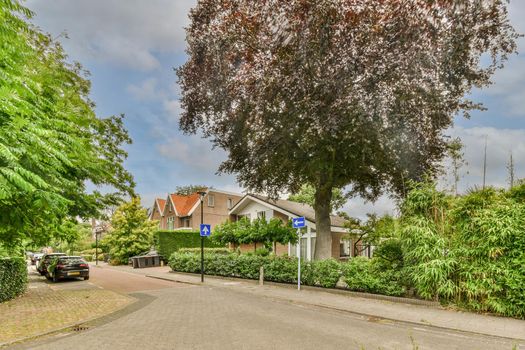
{"x": 48, "y": 307}
{"x": 381, "y": 309}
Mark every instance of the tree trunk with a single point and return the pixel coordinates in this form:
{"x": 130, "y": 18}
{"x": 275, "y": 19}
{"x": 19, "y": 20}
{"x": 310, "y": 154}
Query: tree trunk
{"x": 323, "y": 242}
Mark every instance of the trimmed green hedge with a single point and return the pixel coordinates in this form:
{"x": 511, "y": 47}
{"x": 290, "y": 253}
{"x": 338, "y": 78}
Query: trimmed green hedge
{"x": 276, "y": 268}
{"x": 206, "y": 250}
{"x": 13, "y": 277}
{"x": 169, "y": 242}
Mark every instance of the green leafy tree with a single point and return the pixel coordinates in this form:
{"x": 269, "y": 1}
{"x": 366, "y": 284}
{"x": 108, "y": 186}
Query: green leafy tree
{"x": 334, "y": 93}
{"x": 262, "y": 231}
{"x": 131, "y": 232}
{"x": 306, "y": 195}
{"x": 51, "y": 142}
{"x": 189, "y": 189}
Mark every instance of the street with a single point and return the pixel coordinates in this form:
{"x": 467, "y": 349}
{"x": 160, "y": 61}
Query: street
{"x": 183, "y": 316}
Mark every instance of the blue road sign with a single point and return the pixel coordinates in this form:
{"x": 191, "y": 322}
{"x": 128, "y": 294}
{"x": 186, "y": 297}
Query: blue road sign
{"x": 298, "y": 222}
{"x": 205, "y": 230}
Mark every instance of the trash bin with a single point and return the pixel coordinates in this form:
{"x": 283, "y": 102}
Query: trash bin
{"x": 148, "y": 260}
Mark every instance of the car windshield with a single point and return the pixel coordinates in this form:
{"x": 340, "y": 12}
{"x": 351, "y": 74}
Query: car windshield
{"x": 72, "y": 260}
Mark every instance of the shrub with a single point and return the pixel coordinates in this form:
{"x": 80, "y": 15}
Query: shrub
{"x": 282, "y": 269}
{"x": 262, "y": 252}
{"x": 323, "y": 273}
{"x": 357, "y": 274}
{"x": 13, "y": 277}
{"x": 360, "y": 273}
{"x": 206, "y": 250}
{"x": 169, "y": 242}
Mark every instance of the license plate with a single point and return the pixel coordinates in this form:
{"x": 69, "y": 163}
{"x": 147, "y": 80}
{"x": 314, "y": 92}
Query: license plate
{"x": 73, "y": 273}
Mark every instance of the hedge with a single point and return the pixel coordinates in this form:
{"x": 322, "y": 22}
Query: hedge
{"x": 276, "y": 268}
{"x": 206, "y": 250}
{"x": 169, "y": 242}
{"x": 13, "y": 277}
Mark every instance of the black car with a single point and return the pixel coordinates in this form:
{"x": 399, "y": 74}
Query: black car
{"x": 45, "y": 260}
{"x": 68, "y": 267}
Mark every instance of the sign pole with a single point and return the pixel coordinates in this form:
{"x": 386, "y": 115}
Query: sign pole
{"x": 299, "y": 223}
{"x": 299, "y": 259}
{"x": 202, "y": 242}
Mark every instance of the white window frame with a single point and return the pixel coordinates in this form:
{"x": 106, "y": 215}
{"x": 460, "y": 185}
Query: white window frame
{"x": 229, "y": 203}
{"x": 171, "y": 221}
{"x": 211, "y": 200}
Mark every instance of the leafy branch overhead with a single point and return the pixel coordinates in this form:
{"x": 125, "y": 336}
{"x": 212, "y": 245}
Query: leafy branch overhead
{"x": 51, "y": 142}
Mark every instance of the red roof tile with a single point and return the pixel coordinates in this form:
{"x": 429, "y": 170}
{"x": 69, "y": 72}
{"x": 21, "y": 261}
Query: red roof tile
{"x": 162, "y": 204}
{"x": 183, "y": 204}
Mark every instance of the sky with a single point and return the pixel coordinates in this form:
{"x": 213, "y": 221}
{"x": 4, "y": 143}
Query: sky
{"x": 131, "y": 48}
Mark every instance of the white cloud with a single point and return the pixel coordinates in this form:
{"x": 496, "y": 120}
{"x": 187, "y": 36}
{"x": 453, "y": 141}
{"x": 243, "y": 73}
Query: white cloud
{"x": 192, "y": 152}
{"x": 124, "y": 33}
{"x": 147, "y": 90}
{"x": 508, "y": 82}
{"x": 500, "y": 143}
{"x": 358, "y": 208}
{"x": 173, "y": 108}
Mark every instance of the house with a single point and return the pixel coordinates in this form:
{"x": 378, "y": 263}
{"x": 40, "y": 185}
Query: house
{"x": 255, "y": 206}
{"x": 184, "y": 212}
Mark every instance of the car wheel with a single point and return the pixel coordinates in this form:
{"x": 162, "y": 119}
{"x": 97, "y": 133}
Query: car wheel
{"x": 86, "y": 278}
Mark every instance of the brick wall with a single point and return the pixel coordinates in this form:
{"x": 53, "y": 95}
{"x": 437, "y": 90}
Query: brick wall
{"x": 217, "y": 214}
{"x": 336, "y": 250}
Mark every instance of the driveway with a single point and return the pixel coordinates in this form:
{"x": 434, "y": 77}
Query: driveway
{"x": 183, "y": 316}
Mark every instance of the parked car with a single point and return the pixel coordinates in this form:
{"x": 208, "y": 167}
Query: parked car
{"x": 67, "y": 267}
{"x": 41, "y": 267}
{"x": 35, "y": 258}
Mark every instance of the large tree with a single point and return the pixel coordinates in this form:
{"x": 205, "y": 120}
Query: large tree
{"x": 131, "y": 232}
{"x": 306, "y": 195}
{"x": 336, "y": 93}
{"x": 51, "y": 142}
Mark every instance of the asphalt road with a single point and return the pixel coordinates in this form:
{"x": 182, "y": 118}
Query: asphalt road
{"x": 181, "y": 316}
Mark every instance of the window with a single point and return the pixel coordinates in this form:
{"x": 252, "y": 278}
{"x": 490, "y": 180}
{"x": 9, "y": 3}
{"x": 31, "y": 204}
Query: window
{"x": 261, "y": 215}
{"x": 169, "y": 207}
{"x": 170, "y": 223}
{"x": 230, "y": 203}
{"x": 211, "y": 200}
{"x": 186, "y": 222}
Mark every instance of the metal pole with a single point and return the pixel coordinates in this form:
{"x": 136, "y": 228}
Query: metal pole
{"x": 202, "y": 241}
{"x": 96, "y": 248}
{"x": 299, "y": 259}
{"x": 485, "y": 162}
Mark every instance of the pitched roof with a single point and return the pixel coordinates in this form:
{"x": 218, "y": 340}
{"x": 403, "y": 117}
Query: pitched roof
{"x": 161, "y": 203}
{"x": 183, "y": 204}
{"x": 298, "y": 209}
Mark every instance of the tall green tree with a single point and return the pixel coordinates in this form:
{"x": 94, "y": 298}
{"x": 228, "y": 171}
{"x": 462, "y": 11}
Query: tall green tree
{"x": 131, "y": 232}
{"x": 336, "y": 93}
{"x": 51, "y": 142}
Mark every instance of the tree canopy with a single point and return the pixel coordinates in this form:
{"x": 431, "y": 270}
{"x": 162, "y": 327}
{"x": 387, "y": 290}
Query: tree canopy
{"x": 260, "y": 230}
{"x": 306, "y": 195}
{"x": 336, "y": 93}
{"x": 189, "y": 189}
{"x": 131, "y": 232}
{"x": 51, "y": 142}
